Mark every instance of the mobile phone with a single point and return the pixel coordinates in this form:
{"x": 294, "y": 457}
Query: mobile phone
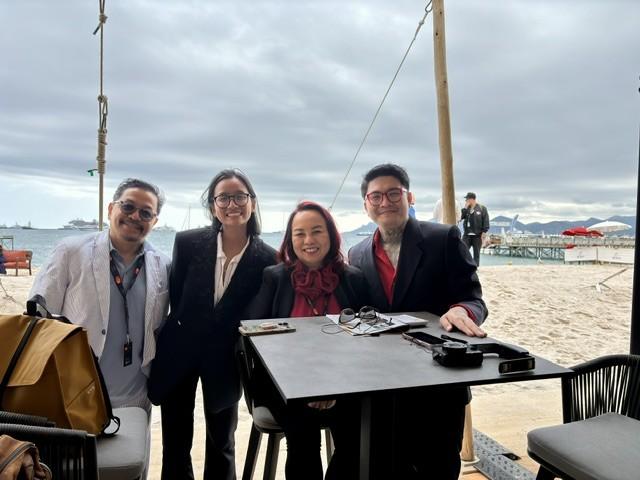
{"x": 423, "y": 339}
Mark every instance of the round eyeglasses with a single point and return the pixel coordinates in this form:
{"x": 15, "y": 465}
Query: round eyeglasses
{"x": 224, "y": 199}
{"x": 393, "y": 195}
{"x": 128, "y": 208}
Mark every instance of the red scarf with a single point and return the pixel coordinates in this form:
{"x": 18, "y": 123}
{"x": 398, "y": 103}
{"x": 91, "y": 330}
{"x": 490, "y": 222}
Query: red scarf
{"x": 314, "y": 290}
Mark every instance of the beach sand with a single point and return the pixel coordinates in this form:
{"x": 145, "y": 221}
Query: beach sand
{"x": 555, "y": 311}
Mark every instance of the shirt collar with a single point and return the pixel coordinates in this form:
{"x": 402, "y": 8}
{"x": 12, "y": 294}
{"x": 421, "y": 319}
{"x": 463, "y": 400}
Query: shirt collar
{"x": 141, "y": 251}
{"x": 220, "y": 252}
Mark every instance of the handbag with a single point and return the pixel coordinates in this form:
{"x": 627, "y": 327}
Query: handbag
{"x": 21, "y": 461}
{"x": 48, "y": 369}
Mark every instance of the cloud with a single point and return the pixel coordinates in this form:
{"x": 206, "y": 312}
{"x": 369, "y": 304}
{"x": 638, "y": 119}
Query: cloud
{"x": 543, "y": 101}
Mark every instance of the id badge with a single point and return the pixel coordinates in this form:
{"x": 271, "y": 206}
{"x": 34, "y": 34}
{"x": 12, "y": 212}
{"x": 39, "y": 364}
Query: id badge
{"x": 128, "y": 353}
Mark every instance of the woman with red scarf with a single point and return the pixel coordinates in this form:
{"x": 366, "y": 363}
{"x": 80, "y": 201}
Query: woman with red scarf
{"x": 312, "y": 280}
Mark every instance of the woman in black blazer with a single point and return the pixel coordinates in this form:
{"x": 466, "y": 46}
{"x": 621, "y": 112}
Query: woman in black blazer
{"x": 312, "y": 280}
{"x": 215, "y": 272}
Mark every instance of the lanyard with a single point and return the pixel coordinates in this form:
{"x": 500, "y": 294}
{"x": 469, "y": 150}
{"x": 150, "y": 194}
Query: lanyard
{"x": 313, "y": 308}
{"x": 117, "y": 278}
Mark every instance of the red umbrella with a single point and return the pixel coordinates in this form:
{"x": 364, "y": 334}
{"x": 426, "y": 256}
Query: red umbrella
{"x": 581, "y": 232}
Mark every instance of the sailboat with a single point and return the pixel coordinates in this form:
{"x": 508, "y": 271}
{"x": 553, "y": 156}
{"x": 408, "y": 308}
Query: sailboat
{"x": 186, "y": 224}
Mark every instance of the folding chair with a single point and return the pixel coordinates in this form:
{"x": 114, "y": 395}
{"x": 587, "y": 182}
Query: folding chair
{"x": 600, "y": 438}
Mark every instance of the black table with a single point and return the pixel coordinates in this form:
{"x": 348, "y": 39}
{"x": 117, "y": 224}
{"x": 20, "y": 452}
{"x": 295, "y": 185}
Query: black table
{"x": 310, "y": 365}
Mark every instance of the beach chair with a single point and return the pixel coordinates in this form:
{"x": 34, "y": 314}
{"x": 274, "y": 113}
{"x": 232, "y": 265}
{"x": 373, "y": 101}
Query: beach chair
{"x": 600, "y": 438}
{"x": 124, "y": 455}
{"x": 263, "y": 423}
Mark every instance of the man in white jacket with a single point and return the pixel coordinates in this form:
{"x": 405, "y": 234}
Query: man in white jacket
{"x": 114, "y": 284}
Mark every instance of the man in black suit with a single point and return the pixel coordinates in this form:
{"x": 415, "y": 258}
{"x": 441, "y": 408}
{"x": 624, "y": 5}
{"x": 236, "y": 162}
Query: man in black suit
{"x": 475, "y": 220}
{"x": 419, "y": 266}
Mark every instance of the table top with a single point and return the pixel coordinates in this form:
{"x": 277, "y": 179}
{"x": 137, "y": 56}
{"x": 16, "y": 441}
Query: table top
{"x": 310, "y": 364}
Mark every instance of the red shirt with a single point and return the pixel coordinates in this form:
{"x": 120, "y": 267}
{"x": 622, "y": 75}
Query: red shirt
{"x": 386, "y": 270}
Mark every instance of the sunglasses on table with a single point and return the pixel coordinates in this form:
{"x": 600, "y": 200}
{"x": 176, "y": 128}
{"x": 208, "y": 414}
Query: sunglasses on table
{"x": 128, "y": 208}
{"x": 366, "y": 314}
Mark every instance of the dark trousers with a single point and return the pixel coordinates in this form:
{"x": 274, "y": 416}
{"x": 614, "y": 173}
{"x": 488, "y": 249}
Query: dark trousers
{"x": 474, "y": 241}
{"x": 302, "y": 428}
{"x": 177, "y": 435}
{"x": 425, "y": 429}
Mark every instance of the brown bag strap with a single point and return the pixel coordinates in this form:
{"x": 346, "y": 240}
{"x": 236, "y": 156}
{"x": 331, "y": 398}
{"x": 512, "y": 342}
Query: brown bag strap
{"x": 20, "y": 459}
{"x": 16, "y": 356}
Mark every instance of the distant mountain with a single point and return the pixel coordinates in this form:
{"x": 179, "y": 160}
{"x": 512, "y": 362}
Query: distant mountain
{"x": 558, "y": 226}
{"x": 368, "y": 228}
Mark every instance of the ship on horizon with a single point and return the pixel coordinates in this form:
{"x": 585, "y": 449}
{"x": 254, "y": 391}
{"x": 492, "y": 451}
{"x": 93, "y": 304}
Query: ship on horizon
{"x": 80, "y": 224}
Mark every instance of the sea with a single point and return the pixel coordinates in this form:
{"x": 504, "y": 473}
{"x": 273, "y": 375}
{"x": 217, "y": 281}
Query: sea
{"x": 42, "y": 241}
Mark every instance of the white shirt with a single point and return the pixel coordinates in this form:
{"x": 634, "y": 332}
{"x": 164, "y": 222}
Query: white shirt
{"x": 222, "y": 278}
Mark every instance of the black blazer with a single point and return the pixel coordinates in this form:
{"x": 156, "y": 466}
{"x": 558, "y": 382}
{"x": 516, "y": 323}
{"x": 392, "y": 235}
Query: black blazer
{"x": 435, "y": 271}
{"x": 276, "y": 295}
{"x": 198, "y": 337}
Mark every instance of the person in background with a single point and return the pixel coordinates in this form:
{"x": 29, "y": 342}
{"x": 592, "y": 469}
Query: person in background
{"x": 475, "y": 222}
{"x": 438, "y": 212}
{"x": 414, "y": 266}
{"x": 311, "y": 280}
{"x": 2, "y": 269}
{"x": 114, "y": 283}
{"x": 216, "y": 271}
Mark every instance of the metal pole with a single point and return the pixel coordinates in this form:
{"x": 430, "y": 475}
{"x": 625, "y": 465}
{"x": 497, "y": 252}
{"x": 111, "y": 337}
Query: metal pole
{"x": 635, "y": 300}
{"x": 444, "y": 121}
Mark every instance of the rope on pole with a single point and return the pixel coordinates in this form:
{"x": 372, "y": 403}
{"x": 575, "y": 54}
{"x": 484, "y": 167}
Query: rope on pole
{"x": 103, "y": 111}
{"x": 427, "y": 10}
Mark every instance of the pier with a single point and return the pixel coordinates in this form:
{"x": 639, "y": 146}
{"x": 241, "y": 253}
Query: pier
{"x": 550, "y": 247}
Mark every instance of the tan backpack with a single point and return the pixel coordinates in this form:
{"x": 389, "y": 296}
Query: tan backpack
{"x": 48, "y": 369}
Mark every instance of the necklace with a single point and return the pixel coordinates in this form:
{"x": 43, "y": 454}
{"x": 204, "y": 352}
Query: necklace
{"x": 313, "y": 308}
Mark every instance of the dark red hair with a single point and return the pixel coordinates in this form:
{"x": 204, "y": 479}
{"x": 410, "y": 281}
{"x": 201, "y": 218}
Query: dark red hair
{"x": 334, "y": 256}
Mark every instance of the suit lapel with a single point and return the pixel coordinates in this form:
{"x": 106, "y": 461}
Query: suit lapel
{"x": 410, "y": 256}
{"x": 368, "y": 267}
{"x": 102, "y": 274}
{"x": 247, "y": 268}
{"x": 287, "y": 295}
{"x": 152, "y": 277}
{"x": 342, "y": 297}
{"x": 203, "y": 270}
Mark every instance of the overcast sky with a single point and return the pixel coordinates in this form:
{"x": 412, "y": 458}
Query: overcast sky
{"x": 543, "y": 96}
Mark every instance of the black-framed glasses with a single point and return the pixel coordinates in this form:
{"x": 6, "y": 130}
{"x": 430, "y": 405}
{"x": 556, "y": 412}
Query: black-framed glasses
{"x": 366, "y": 314}
{"x": 224, "y": 199}
{"x": 394, "y": 195}
{"x": 128, "y": 208}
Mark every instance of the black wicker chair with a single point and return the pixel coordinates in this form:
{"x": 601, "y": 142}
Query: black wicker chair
{"x": 600, "y": 438}
{"x": 263, "y": 422}
{"x": 70, "y": 454}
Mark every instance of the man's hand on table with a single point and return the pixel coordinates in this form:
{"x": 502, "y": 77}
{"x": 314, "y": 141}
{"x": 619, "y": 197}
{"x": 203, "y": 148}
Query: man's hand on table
{"x": 459, "y": 318}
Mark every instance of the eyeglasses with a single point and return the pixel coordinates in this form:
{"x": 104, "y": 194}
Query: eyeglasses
{"x": 128, "y": 208}
{"x": 224, "y": 199}
{"x": 366, "y": 315}
{"x": 393, "y": 195}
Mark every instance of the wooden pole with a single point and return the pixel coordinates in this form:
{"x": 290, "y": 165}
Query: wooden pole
{"x": 446, "y": 165}
{"x": 444, "y": 121}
